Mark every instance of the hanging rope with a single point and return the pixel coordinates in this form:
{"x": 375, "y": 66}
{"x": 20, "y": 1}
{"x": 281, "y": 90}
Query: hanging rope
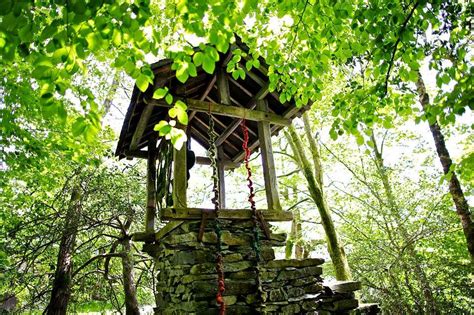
{"x": 215, "y": 200}
{"x": 255, "y": 214}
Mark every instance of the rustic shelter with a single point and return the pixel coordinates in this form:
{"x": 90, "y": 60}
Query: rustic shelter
{"x": 246, "y": 278}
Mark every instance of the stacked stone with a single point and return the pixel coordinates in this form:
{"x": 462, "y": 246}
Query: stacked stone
{"x": 187, "y": 280}
{"x": 289, "y": 283}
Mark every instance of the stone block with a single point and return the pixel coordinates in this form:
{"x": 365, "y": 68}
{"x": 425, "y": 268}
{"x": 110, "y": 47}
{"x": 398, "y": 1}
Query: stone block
{"x": 345, "y": 286}
{"x": 299, "y": 273}
{"x": 296, "y": 263}
{"x": 277, "y": 295}
{"x": 292, "y": 308}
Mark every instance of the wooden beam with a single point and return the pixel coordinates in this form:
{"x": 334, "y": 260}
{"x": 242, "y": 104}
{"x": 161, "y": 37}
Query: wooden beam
{"x": 180, "y": 177}
{"x": 228, "y": 164}
{"x": 268, "y": 163}
{"x": 223, "y": 87}
{"x": 136, "y": 154}
{"x": 291, "y": 111}
{"x": 204, "y": 95}
{"x": 141, "y": 126}
{"x": 252, "y": 103}
{"x": 230, "y": 111}
{"x": 151, "y": 185}
{"x": 235, "y": 214}
{"x": 221, "y": 176}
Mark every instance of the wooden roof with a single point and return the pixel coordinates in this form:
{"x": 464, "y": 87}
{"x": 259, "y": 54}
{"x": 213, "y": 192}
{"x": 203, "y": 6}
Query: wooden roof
{"x": 203, "y": 87}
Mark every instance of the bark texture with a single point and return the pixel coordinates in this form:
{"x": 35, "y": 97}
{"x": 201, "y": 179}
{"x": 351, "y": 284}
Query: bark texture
{"x": 131, "y": 303}
{"x": 62, "y": 277}
{"x": 455, "y": 189}
{"x": 335, "y": 249}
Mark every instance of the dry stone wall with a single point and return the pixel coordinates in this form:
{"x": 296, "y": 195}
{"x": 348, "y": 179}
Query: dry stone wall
{"x": 187, "y": 279}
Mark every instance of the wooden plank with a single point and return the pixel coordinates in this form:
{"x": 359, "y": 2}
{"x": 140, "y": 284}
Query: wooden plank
{"x": 230, "y": 111}
{"x": 223, "y": 87}
{"x": 221, "y": 176}
{"x": 150, "y": 237}
{"x": 180, "y": 177}
{"x": 141, "y": 126}
{"x": 136, "y": 154}
{"x": 170, "y": 226}
{"x": 268, "y": 163}
{"x": 234, "y": 214}
{"x": 145, "y": 115}
{"x": 251, "y": 105}
{"x": 228, "y": 164}
{"x": 151, "y": 185}
{"x": 204, "y": 95}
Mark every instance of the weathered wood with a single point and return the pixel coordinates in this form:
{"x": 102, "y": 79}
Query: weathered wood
{"x": 141, "y": 126}
{"x": 251, "y": 105}
{"x": 137, "y": 154}
{"x": 151, "y": 186}
{"x": 221, "y": 176}
{"x": 268, "y": 163}
{"x": 204, "y": 95}
{"x": 223, "y": 87}
{"x": 290, "y": 112}
{"x": 204, "y": 160}
{"x": 170, "y": 226}
{"x": 236, "y": 214}
{"x": 180, "y": 178}
{"x": 149, "y": 237}
{"x": 228, "y": 110}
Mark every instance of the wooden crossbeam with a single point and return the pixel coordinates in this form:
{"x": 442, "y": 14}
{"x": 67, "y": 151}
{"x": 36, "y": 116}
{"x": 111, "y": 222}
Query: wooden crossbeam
{"x": 228, "y": 164}
{"x": 289, "y": 113}
{"x": 234, "y": 214}
{"x": 227, "y": 110}
{"x": 251, "y": 105}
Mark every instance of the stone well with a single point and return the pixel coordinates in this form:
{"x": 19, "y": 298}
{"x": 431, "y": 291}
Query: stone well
{"x": 187, "y": 279}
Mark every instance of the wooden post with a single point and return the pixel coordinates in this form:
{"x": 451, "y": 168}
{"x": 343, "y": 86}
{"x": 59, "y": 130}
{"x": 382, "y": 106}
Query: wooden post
{"x": 180, "y": 177}
{"x": 151, "y": 185}
{"x": 223, "y": 87}
{"x": 269, "y": 174}
{"x": 221, "y": 176}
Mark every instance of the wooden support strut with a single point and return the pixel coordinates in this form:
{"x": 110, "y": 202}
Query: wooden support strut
{"x": 180, "y": 177}
{"x": 151, "y": 186}
{"x": 268, "y": 163}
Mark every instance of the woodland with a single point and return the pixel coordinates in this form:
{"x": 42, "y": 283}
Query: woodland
{"x": 378, "y": 173}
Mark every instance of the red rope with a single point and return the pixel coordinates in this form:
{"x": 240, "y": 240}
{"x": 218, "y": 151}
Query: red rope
{"x": 247, "y": 167}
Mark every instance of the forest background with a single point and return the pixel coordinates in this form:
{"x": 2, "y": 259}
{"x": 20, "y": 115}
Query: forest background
{"x": 391, "y": 85}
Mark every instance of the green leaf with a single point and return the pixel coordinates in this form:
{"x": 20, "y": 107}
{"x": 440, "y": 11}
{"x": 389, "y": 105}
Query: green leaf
{"x": 142, "y": 82}
{"x": 181, "y": 105}
{"x": 249, "y": 65}
{"x": 165, "y": 130}
{"x": 182, "y": 116}
{"x": 198, "y": 58}
{"x": 160, "y": 93}
{"x": 160, "y": 125}
{"x": 235, "y": 74}
{"x": 169, "y": 99}
{"x": 208, "y": 64}
{"x": 78, "y": 127}
{"x": 173, "y": 112}
{"x": 182, "y": 73}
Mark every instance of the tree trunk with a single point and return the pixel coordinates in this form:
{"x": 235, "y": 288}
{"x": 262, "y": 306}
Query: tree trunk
{"x": 335, "y": 249}
{"x": 131, "y": 303}
{"x": 460, "y": 201}
{"x": 62, "y": 278}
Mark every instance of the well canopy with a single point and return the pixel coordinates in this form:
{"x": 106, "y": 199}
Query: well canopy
{"x": 143, "y": 114}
